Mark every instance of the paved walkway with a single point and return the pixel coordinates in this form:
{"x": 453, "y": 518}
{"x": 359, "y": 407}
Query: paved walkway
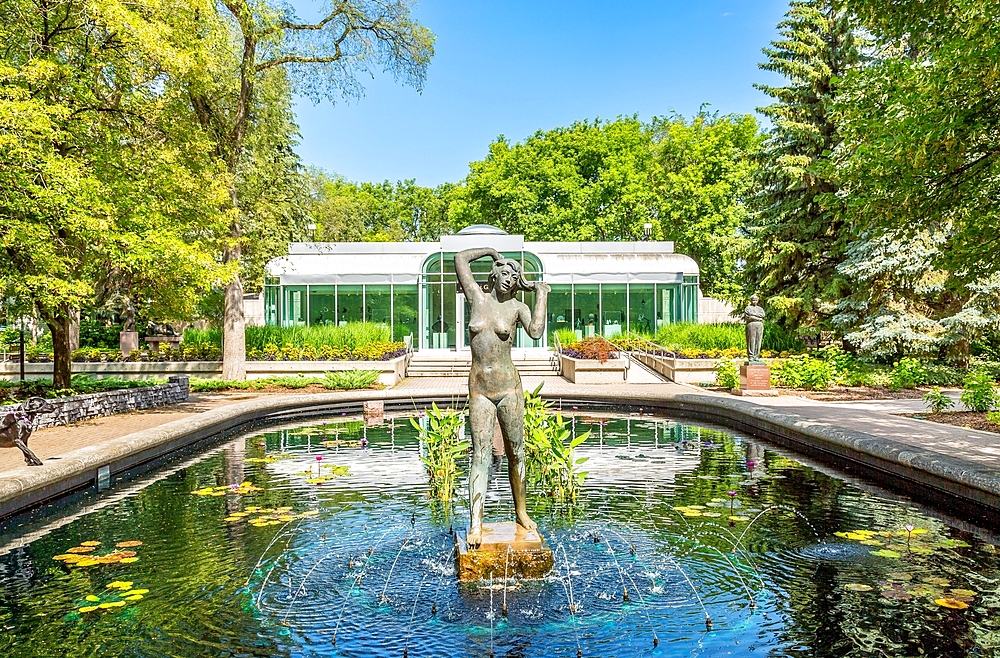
{"x": 871, "y": 417}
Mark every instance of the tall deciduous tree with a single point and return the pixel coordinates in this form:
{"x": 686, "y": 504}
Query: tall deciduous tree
{"x": 98, "y": 175}
{"x": 797, "y": 234}
{"x": 321, "y": 59}
{"x": 606, "y": 180}
{"x": 707, "y": 173}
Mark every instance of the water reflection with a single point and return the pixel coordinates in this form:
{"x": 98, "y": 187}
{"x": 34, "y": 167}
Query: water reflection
{"x": 319, "y": 539}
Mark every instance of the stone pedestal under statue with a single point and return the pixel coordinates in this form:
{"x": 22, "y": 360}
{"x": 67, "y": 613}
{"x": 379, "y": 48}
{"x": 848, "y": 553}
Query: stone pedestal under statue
{"x": 506, "y": 549}
{"x": 128, "y": 341}
{"x": 755, "y": 379}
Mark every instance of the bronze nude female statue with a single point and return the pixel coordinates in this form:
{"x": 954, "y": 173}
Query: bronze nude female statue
{"x": 495, "y": 392}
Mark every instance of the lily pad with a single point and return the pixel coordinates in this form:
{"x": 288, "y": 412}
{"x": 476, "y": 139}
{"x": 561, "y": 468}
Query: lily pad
{"x": 90, "y": 543}
{"x": 88, "y": 608}
{"x": 885, "y": 552}
{"x": 739, "y": 518}
{"x": 92, "y": 598}
{"x": 121, "y": 584}
{"x": 858, "y": 587}
{"x": 112, "y": 604}
{"x": 128, "y": 544}
{"x": 954, "y": 604}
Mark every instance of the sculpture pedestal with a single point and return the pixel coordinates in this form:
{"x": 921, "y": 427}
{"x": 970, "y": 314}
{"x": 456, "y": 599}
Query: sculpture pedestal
{"x": 755, "y": 380}
{"x": 128, "y": 341}
{"x": 507, "y": 548}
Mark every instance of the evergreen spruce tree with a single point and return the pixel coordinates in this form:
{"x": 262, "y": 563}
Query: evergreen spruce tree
{"x": 796, "y": 237}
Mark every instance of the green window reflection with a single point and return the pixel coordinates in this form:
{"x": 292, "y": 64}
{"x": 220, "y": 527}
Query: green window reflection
{"x": 271, "y": 310}
{"x": 293, "y": 304}
{"x": 378, "y": 304}
{"x": 560, "y": 309}
{"x": 587, "y": 310}
{"x": 667, "y": 310}
{"x": 404, "y": 312}
{"x": 322, "y": 304}
{"x": 641, "y": 312}
{"x": 350, "y": 304}
{"x": 613, "y": 308}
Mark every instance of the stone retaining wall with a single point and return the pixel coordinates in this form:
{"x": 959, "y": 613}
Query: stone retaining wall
{"x": 63, "y": 411}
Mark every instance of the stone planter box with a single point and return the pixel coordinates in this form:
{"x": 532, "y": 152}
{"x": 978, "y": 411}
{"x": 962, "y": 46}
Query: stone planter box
{"x": 63, "y": 411}
{"x": 390, "y": 372}
{"x": 682, "y": 371}
{"x": 591, "y": 371}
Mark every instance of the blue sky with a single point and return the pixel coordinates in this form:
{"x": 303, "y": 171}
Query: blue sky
{"x": 515, "y": 67}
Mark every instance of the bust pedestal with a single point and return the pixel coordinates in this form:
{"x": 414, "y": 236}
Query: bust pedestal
{"x": 755, "y": 379}
{"x": 128, "y": 341}
{"x": 507, "y": 550}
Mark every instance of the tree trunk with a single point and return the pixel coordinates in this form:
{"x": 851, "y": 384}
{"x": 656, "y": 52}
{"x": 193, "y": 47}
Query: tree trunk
{"x": 74, "y": 330}
{"x": 61, "y": 362}
{"x": 234, "y": 347}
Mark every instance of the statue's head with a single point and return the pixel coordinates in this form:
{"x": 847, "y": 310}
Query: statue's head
{"x": 754, "y": 299}
{"x": 507, "y": 277}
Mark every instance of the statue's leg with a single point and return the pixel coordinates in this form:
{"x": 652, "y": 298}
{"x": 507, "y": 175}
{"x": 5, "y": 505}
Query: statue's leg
{"x": 482, "y": 417}
{"x": 29, "y": 457}
{"x": 510, "y": 412}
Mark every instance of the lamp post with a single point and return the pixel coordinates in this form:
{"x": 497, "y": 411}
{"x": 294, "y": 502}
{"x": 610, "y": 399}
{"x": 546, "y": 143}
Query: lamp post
{"x": 647, "y": 230}
{"x": 311, "y": 227}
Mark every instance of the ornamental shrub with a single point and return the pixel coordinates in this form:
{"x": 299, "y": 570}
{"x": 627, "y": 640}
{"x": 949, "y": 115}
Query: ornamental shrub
{"x": 726, "y": 374}
{"x": 803, "y": 371}
{"x": 937, "y": 401}
{"x": 907, "y": 373}
{"x": 980, "y": 392}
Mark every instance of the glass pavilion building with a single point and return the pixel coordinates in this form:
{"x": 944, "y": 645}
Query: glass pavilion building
{"x": 598, "y": 288}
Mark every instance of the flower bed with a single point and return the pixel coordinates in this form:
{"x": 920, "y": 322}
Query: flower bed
{"x": 376, "y": 351}
{"x": 596, "y": 348}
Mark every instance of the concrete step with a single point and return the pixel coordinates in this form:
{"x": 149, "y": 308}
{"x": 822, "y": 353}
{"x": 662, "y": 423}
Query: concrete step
{"x": 458, "y": 365}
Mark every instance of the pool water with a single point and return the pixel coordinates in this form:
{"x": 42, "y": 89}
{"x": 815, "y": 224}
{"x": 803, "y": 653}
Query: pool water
{"x": 320, "y": 540}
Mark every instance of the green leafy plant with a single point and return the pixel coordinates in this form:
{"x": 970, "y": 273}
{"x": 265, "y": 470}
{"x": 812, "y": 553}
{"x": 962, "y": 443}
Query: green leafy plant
{"x": 907, "y": 373}
{"x": 726, "y": 374}
{"x": 938, "y": 402}
{"x": 980, "y": 392}
{"x": 442, "y": 446}
{"x": 549, "y": 451}
{"x": 993, "y": 417}
{"x": 349, "y": 380}
{"x": 803, "y": 371}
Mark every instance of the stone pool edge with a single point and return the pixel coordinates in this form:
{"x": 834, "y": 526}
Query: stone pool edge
{"x": 921, "y": 473}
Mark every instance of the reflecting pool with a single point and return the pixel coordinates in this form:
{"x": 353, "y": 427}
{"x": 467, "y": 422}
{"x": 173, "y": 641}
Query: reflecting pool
{"x": 320, "y": 540}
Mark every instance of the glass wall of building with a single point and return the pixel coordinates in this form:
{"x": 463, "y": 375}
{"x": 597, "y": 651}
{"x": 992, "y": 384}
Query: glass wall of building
{"x": 350, "y": 304}
{"x": 430, "y": 310}
{"x": 322, "y": 305}
{"x": 405, "y": 300}
{"x": 294, "y": 305}
{"x": 641, "y": 307}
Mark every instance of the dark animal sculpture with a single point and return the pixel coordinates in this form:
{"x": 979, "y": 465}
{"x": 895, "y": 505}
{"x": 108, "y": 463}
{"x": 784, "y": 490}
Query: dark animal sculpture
{"x": 16, "y": 427}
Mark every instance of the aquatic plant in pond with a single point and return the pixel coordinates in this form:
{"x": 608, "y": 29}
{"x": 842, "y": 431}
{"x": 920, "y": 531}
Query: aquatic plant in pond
{"x": 440, "y": 431}
{"x": 363, "y": 565}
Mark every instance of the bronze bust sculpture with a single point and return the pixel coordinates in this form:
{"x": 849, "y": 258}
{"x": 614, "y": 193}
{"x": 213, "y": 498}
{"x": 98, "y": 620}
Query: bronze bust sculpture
{"x": 753, "y": 316}
{"x": 495, "y": 392}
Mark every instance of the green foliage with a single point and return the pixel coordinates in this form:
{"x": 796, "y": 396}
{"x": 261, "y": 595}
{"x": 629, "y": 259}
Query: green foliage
{"x": 566, "y": 336}
{"x": 361, "y": 341}
{"x": 376, "y": 212}
{"x": 980, "y": 392}
{"x": 796, "y": 234}
{"x": 938, "y": 402}
{"x": 80, "y": 383}
{"x": 342, "y": 380}
{"x": 993, "y": 417}
{"x": 803, "y": 371}
{"x": 726, "y": 374}
{"x": 442, "y": 447}
{"x": 604, "y": 180}
{"x": 920, "y": 140}
{"x": 552, "y": 466}
{"x": 722, "y": 337}
{"x": 907, "y": 373}
{"x": 348, "y": 380}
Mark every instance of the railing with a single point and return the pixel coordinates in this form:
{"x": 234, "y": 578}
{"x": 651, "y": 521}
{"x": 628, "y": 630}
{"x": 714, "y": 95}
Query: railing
{"x": 558, "y": 348}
